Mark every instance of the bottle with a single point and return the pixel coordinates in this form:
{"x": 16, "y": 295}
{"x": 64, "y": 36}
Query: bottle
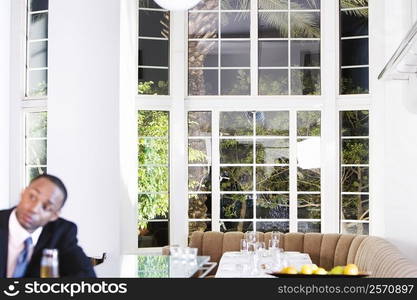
{"x": 49, "y": 263}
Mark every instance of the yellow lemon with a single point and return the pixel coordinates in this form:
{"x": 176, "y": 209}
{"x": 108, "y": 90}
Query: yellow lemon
{"x": 307, "y": 269}
{"x": 315, "y": 267}
{"x": 320, "y": 271}
{"x": 351, "y": 269}
{"x": 289, "y": 270}
{"x": 338, "y": 270}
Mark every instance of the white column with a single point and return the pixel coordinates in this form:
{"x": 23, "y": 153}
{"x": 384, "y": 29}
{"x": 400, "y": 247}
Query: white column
{"x": 5, "y": 12}
{"x": 83, "y": 117}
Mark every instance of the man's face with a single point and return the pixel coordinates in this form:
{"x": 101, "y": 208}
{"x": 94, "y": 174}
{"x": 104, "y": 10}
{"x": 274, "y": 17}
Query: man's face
{"x": 40, "y": 204}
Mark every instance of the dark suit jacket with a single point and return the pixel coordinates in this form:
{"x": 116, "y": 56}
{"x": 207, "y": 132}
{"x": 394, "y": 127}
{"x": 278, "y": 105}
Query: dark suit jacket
{"x": 60, "y": 234}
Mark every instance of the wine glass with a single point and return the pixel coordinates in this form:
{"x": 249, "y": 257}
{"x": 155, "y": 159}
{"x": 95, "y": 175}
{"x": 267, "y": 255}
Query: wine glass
{"x": 244, "y": 246}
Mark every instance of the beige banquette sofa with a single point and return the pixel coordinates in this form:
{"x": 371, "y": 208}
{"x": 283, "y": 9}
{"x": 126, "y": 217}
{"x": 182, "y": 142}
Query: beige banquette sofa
{"x": 369, "y": 253}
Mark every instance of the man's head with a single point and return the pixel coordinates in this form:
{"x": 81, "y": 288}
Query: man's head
{"x": 41, "y": 202}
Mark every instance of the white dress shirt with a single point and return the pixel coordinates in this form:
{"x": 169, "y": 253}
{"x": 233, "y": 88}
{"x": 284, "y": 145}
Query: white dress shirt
{"x": 17, "y": 237}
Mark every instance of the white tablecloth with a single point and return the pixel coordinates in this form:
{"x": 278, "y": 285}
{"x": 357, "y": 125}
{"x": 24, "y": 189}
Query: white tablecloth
{"x": 235, "y": 264}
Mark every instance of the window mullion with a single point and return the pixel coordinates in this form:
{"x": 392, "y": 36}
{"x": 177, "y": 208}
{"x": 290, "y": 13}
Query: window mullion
{"x": 215, "y": 171}
{"x": 293, "y": 171}
{"x": 254, "y": 47}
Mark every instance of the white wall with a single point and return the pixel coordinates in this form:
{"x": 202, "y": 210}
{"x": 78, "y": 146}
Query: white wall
{"x": 83, "y": 129}
{"x": 5, "y": 13}
{"x": 400, "y": 163}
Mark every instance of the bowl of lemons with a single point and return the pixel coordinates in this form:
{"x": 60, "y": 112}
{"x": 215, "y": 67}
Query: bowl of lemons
{"x": 312, "y": 270}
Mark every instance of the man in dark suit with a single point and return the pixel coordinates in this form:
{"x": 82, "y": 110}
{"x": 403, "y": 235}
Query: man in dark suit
{"x": 35, "y": 225}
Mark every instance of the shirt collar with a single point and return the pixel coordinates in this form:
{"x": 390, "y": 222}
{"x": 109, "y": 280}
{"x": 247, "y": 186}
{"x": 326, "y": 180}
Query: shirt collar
{"x": 18, "y": 234}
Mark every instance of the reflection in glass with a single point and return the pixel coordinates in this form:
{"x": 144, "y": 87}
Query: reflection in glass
{"x": 354, "y": 22}
{"x": 199, "y": 123}
{"x": 155, "y": 235}
{"x": 272, "y": 151}
{"x": 153, "y": 81}
{"x": 236, "y": 151}
{"x": 353, "y": 3}
{"x": 272, "y": 178}
{"x": 153, "y": 179}
{"x": 36, "y": 152}
{"x": 355, "y": 81}
{"x": 305, "y": 53}
{"x": 355, "y": 151}
{"x": 283, "y": 227}
{"x": 38, "y": 26}
{"x": 355, "y": 228}
{"x": 235, "y": 82}
{"x": 235, "y": 206}
{"x": 273, "y": 25}
{"x": 273, "y": 53}
{"x": 153, "y": 151}
{"x": 354, "y": 123}
{"x": 235, "y": 4}
{"x": 199, "y": 179}
{"x": 236, "y": 123}
{"x": 273, "y": 82}
{"x": 37, "y": 83}
{"x": 355, "y": 179}
{"x": 272, "y": 206}
{"x": 236, "y": 178}
{"x": 203, "y": 25}
{"x": 199, "y": 151}
{"x": 206, "y": 5}
{"x": 355, "y": 207}
{"x": 308, "y": 180}
{"x": 355, "y": 52}
{"x": 203, "y": 54}
{"x": 235, "y": 226}
{"x": 38, "y": 54}
{"x": 305, "y": 4}
{"x": 235, "y": 54}
{"x": 154, "y": 24}
{"x": 235, "y": 25}
{"x": 305, "y": 25}
{"x": 153, "y": 52}
{"x": 203, "y": 82}
{"x": 308, "y": 123}
{"x": 272, "y": 4}
{"x": 199, "y": 206}
{"x": 309, "y": 227}
{"x": 305, "y": 82}
{"x": 308, "y": 206}
{"x": 36, "y": 124}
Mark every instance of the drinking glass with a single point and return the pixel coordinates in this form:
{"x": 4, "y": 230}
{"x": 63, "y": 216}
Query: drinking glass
{"x": 244, "y": 246}
{"x": 251, "y": 236}
{"x": 275, "y": 235}
{"x": 273, "y": 244}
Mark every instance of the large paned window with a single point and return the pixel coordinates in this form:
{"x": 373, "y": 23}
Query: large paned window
{"x": 354, "y": 178}
{"x": 153, "y": 178}
{"x": 37, "y": 48}
{"x": 153, "y": 52}
{"x": 354, "y": 47}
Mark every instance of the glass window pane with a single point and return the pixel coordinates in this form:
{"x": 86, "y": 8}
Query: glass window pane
{"x": 153, "y": 81}
{"x": 36, "y": 152}
{"x": 355, "y": 123}
{"x": 272, "y": 179}
{"x": 236, "y": 151}
{"x": 199, "y": 206}
{"x": 305, "y": 25}
{"x": 154, "y": 24}
{"x": 273, "y": 25}
{"x": 309, "y": 206}
{"x": 36, "y": 124}
{"x": 153, "y": 52}
{"x": 235, "y": 82}
{"x": 235, "y": 206}
{"x": 355, "y": 179}
{"x": 305, "y": 4}
{"x": 33, "y": 172}
{"x": 235, "y": 54}
{"x": 199, "y": 151}
{"x": 308, "y": 180}
{"x": 38, "y": 26}
{"x": 305, "y": 82}
{"x": 309, "y": 227}
{"x": 206, "y": 5}
{"x": 148, "y": 4}
{"x": 283, "y": 227}
{"x": 272, "y": 206}
{"x": 155, "y": 235}
{"x": 354, "y": 22}
{"x": 235, "y": 4}
{"x": 274, "y": 4}
{"x": 153, "y": 151}
{"x": 305, "y": 53}
{"x": 203, "y": 25}
{"x": 273, "y": 53}
{"x": 353, "y": 3}
{"x": 355, "y": 52}
{"x": 203, "y": 82}
{"x": 355, "y": 151}
{"x": 308, "y": 123}
{"x": 37, "y": 5}
{"x": 355, "y": 228}
{"x": 355, "y": 81}
{"x": 273, "y": 82}
{"x": 235, "y": 25}
{"x": 236, "y": 123}
{"x": 198, "y": 226}
{"x": 203, "y": 54}
{"x": 153, "y": 206}
{"x": 236, "y": 178}
{"x": 199, "y": 179}
{"x": 153, "y": 123}
{"x": 199, "y": 123}
{"x": 235, "y": 226}
{"x": 355, "y": 207}
{"x": 272, "y": 151}
{"x": 38, "y": 55}
{"x": 37, "y": 83}
{"x": 153, "y": 179}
